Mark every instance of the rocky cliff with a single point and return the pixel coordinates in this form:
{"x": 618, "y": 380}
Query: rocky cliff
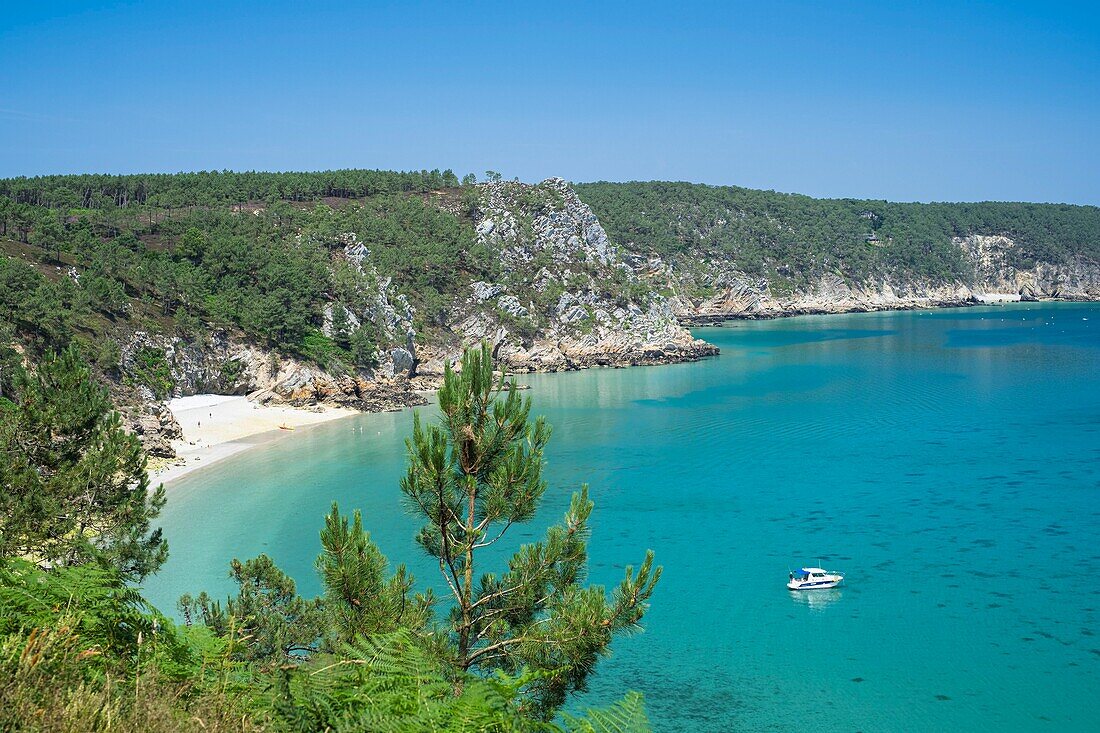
{"x": 375, "y": 303}
{"x": 714, "y": 289}
{"x": 729, "y": 252}
{"x": 566, "y": 296}
{"x": 994, "y": 273}
{"x": 220, "y": 364}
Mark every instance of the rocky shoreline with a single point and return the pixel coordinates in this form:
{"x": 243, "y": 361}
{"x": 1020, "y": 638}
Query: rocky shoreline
{"x": 694, "y": 320}
{"x": 268, "y": 380}
{"x": 733, "y": 294}
{"x": 557, "y": 359}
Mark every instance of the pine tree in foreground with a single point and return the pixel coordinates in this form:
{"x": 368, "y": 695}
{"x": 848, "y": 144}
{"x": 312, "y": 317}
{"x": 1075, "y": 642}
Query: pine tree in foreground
{"x": 359, "y": 599}
{"x": 275, "y": 625}
{"x": 473, "y": 476}
{"x": 74, "y": 483}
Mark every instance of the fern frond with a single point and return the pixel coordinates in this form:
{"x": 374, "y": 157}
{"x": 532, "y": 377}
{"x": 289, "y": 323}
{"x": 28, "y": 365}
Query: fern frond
{"x": 625, "y": 716}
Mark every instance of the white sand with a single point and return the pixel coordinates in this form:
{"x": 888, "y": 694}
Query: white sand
{"x": 999, "y": 297}
{"x": 217, "y": 426}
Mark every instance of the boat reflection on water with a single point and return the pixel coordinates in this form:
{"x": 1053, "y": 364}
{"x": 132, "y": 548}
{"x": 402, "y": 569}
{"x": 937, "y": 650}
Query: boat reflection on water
{"x": 817, "y": 600}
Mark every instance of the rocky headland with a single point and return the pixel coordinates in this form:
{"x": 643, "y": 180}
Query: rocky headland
{"x": 729, "y": 293}
{"x": 567, "y": 297}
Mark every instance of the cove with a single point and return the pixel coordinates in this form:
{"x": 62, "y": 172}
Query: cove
{"x": 948, "y": 461}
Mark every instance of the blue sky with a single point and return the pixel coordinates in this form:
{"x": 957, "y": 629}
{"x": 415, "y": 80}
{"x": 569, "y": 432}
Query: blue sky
{"x": 906, "y": 101}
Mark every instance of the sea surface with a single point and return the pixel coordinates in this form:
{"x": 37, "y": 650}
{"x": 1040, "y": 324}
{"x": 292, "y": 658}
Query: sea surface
{"x": 948, "y": 461}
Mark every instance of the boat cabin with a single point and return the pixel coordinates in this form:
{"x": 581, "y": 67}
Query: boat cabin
{"x": 811, "y": 573}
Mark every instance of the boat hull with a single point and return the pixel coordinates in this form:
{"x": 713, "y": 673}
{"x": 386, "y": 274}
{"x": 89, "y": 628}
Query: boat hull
{"x": 814, "y": 585}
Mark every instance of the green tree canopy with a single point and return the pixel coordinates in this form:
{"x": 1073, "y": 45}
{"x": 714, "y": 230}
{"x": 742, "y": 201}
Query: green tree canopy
{"x": 74, "y": 483}
{"x": 268, "y": 621}
{"x": 359, "y": 599}
{"x": 473, "y": 476}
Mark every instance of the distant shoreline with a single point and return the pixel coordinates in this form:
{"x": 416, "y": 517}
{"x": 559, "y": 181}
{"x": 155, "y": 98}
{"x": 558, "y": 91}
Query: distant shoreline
{"x": 714, "y": 319}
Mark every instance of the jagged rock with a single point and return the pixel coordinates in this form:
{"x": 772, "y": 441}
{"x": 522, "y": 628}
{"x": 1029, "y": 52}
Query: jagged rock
{"x": 510, "y": 305}
{"x": 210, "y": 364}
{"x": 147, "y": 418}
{"x": 354, "y": 250}
{"x": 388, "y": 309}
{"x": 353, "y": 320}
{"x": 484, "y": 291}
{"x": 403, "y": 361}
{"x": 579, "y": 314}
{"x": 575, "y": 314}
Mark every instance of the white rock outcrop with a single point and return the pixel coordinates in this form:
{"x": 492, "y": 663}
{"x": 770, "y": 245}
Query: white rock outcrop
{"x": 733, "y": 293}
{"x": 570, "y": 300}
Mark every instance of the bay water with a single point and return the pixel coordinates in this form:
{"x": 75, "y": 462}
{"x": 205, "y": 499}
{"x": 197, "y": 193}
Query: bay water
{"x": 947, "y": 461}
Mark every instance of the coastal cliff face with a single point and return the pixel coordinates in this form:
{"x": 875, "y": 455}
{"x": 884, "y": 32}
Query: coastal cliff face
{"x": 375, "y": 304}
{"x": 722, "y": 291}
{"x": 734, "y": 294}
{"x": 729, "y": 252}
{"x": 223, "y": 365}
{"x": 992, "y": 256}
{"x": 566, "y": 297}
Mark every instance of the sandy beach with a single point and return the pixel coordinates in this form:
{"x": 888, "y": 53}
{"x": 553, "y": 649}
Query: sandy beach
{"x": 218, "y": 426}
{"x": 994, "y": 298}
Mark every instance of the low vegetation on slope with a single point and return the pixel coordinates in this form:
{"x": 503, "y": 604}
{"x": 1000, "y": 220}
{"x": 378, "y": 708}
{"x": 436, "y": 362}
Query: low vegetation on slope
{"x": 794, "y": 238}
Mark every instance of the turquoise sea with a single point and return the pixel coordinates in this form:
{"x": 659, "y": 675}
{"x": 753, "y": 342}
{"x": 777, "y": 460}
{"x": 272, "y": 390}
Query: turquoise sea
{"x": 948, "y": 461}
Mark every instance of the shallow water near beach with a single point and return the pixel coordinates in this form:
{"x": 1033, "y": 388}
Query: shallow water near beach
{"x": 947, "y": 461}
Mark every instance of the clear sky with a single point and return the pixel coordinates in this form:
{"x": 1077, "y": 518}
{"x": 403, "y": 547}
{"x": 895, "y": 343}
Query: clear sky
{"x": 898, "y": 100}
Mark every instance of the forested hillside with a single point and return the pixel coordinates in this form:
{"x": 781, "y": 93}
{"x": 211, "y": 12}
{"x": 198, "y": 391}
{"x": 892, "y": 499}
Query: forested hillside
{"x": 252, "y": 252}
{"x": 354, "y": 270}
{"x": 789, "y": 236}
{"x": 350, "y": 271}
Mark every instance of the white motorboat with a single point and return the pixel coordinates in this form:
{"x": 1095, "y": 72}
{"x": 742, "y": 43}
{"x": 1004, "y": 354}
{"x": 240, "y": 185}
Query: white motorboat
{"x": 814, "y": 579}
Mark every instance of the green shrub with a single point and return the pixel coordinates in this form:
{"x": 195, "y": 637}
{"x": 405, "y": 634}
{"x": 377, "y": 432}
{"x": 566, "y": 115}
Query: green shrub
{"x": 150, "y": 369}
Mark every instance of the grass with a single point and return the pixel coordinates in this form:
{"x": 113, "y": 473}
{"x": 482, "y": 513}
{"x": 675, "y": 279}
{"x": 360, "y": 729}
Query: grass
{"x": 51, "y": 683}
